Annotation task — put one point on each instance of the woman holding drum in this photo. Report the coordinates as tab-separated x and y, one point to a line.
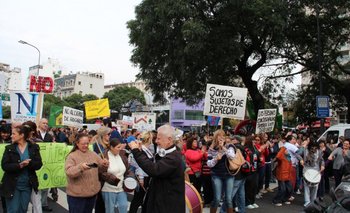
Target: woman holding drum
113	192
313	166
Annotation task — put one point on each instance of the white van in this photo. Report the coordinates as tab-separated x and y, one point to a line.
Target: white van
334	132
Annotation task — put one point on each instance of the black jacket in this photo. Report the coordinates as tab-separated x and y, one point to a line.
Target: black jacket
166	192
10	164
47	137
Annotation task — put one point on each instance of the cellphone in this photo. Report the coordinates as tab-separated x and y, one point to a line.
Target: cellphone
92	165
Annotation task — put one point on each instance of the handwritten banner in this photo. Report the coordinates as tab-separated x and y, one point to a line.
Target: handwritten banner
97	108
265	121
225	101
72	117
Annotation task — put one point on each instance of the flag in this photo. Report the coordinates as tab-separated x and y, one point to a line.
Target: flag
55	119
213	120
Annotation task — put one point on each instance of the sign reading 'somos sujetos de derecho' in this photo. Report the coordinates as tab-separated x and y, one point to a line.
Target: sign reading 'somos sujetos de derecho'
225	101
265	121
72	117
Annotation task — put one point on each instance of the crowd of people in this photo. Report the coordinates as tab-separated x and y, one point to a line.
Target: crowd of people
160	161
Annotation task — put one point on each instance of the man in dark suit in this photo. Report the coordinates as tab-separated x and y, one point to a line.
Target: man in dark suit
44	135
166	192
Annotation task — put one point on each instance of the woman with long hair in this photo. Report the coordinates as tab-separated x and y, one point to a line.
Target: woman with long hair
194	157
101	140
143	178
217	155
251	183
112	190
82	175
19	162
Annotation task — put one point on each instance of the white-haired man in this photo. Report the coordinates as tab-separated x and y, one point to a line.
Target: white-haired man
166	192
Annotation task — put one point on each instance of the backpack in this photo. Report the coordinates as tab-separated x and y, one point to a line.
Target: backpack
248	166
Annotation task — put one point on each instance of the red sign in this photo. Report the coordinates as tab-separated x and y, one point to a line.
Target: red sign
40	84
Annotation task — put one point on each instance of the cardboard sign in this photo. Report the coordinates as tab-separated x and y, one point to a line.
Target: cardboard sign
265	121
127	120
41	84
225	101
97	108
144	121
72	117
26	106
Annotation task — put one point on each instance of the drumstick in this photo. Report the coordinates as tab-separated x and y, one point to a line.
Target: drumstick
139	183
99	148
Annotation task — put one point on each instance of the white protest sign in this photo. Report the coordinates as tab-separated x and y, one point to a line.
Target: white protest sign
25	106
266	120
127	120
225	101
72	117
144	121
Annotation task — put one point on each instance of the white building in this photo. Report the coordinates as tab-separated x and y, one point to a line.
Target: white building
80	83
138	84
11	79
51	68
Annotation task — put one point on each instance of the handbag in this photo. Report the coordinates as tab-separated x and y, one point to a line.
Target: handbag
234	165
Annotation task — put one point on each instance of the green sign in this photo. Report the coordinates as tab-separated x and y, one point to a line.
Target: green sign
56	114
5	97
52	172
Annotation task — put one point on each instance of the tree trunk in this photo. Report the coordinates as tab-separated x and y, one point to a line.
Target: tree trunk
257	98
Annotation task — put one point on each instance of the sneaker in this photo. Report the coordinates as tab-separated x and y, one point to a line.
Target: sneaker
278	204
298	192
250	207
255	205
287	202
269	190
306	204
291	198
263	191
236	209
258	196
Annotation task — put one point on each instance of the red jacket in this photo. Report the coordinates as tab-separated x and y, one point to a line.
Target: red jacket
284	167
263	154
194	160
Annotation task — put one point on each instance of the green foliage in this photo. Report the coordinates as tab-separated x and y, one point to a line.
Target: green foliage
6	112
181	45
122	95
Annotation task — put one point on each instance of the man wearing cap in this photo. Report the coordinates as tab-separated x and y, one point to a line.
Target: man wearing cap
166	191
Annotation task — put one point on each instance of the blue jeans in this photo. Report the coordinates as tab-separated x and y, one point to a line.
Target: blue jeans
113	199
220	184
238	195
81	204
20	200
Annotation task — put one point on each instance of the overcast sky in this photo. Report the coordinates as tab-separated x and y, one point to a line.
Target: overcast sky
83	35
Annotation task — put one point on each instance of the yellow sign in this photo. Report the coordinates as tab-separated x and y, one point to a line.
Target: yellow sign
97	108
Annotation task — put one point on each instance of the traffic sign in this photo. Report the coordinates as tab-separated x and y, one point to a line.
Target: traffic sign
322	106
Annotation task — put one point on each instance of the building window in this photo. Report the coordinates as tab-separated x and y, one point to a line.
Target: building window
178	115
194	115
79	82
90	86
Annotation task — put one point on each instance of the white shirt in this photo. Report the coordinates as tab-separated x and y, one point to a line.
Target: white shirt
117	168
292	149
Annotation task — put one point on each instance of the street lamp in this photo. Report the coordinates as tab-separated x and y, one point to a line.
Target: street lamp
24	42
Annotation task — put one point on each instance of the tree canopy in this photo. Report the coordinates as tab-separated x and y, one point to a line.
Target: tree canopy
122	95
181	45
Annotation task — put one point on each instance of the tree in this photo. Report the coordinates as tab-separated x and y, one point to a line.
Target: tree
122	95
6	112
181	45
50	100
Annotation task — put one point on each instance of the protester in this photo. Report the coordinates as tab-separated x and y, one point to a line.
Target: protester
283	176
45	136
142	177
112	191
82	176
166	192
194	157
19	162
218	154
339	155
312	160
5	134
206	176
324	187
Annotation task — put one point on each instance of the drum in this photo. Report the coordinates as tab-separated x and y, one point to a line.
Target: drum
193	200
130	184
312	177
